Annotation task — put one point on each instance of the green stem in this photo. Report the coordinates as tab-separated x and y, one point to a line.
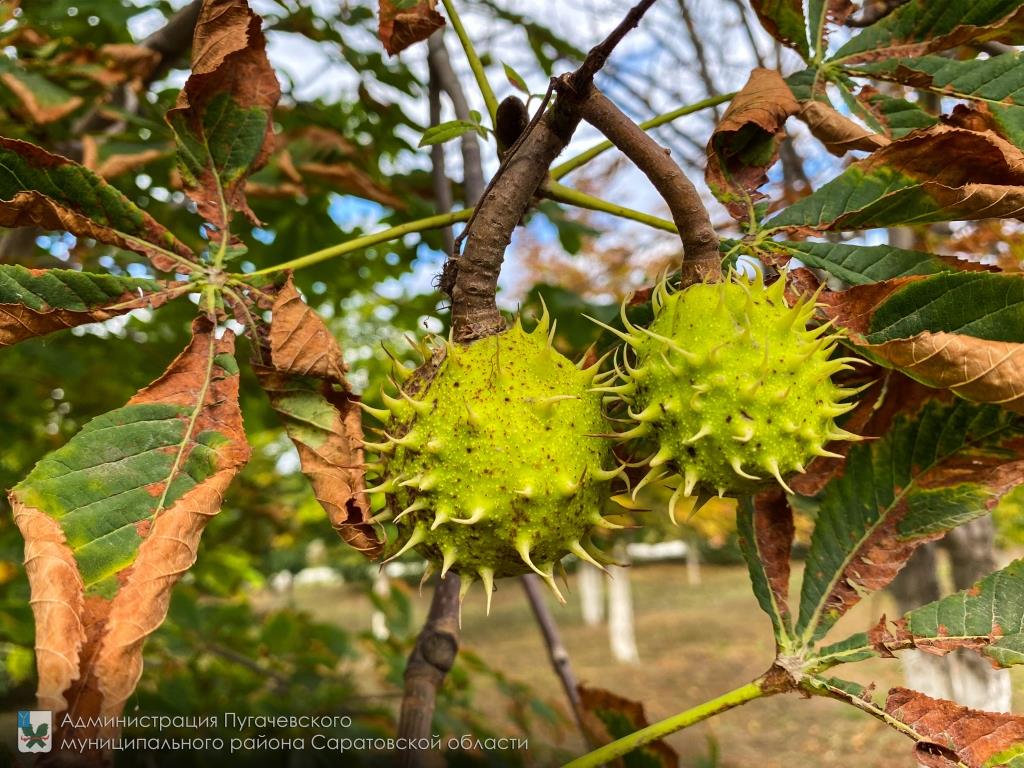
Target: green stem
419	225
563	194
474	61
585	157
659	730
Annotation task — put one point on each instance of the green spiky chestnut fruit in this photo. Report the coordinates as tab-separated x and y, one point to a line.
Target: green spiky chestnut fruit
492	463
730	387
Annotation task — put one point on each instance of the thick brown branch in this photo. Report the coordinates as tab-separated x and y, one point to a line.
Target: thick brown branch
474	311
701	257
429	662
472	278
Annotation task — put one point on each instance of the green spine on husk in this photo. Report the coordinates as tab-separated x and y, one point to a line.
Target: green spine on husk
495	467
729	387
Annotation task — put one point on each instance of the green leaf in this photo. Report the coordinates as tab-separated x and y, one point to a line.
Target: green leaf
979	304
36	302
933	470
958	330
910	182
988	617
995	85
41	189
515	79
784	20
766	532
112	519
222	119
862	264
439	134
895	117
922	26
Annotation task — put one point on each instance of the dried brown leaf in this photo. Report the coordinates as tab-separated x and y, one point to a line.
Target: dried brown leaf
401	27
981	370
958	733
745	143
349	178
19	322
837	132
298	341
302	371
608	716
109	218
36	110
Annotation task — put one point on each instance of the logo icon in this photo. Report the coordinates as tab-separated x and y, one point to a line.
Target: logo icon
35	731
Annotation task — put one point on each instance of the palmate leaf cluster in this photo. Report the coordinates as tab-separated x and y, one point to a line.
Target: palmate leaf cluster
112	517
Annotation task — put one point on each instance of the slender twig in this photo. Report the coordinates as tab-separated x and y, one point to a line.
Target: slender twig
669	725
560	193
599	54
701	257
699	52
474	61
358	243
586	156
428	665
745	20
557	653
472	165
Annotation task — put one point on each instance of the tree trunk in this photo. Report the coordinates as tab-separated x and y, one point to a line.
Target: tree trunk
621	632
693	560
590	582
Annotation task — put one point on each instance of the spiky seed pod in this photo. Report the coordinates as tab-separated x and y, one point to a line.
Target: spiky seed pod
730	388
494	469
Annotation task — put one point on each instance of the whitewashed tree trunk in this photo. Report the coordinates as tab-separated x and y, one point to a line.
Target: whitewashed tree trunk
378	621
692	560
621	631
590	582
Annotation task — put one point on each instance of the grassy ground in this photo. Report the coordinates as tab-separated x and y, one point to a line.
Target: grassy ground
694	643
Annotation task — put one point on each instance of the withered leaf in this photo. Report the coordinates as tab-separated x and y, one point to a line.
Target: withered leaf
608	716
745	143
977	739
404	23
222	119
766	530
38	188
954	331
113	519
301	369
37	302
837	132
